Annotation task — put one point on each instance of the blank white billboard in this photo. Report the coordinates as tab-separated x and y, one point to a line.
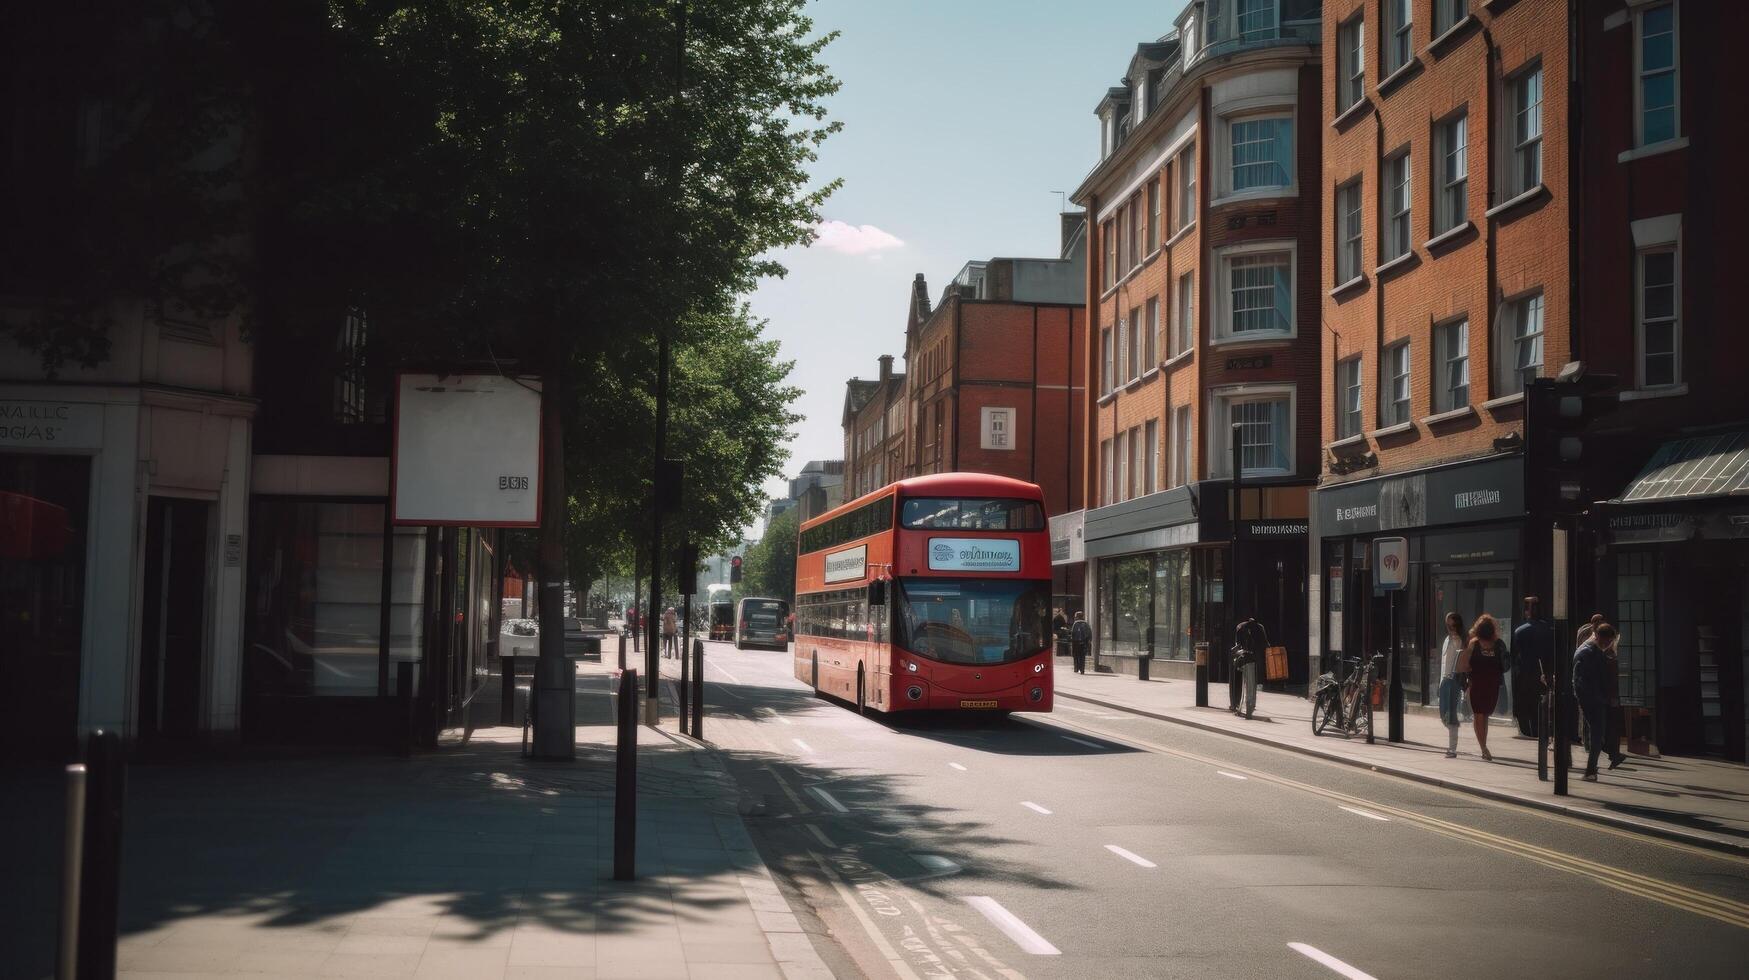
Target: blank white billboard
467	450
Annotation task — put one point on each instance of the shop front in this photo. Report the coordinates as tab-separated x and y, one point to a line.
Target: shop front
1465	527
1674	577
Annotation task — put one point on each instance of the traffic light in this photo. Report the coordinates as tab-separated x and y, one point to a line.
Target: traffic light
1558	413
735	570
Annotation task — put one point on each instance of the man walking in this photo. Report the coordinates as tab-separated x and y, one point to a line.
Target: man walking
1590	689
1080	635
1534	643
670	633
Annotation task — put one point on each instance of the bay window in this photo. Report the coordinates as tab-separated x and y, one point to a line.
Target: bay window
1264	417
1261	154
1257	293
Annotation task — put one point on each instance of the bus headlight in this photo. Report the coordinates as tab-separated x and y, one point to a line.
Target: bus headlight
1037	694
914	692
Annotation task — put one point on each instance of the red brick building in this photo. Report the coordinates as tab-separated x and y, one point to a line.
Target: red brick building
1203	312
874	431
1447	290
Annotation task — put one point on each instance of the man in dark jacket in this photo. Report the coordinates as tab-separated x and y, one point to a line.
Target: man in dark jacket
1534	643
1080	637
1591	690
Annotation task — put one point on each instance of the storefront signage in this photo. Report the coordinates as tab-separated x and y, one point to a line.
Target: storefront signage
1272	529
51	425
1391	566
1068	538
974	555
1489	490
851	563
1650	528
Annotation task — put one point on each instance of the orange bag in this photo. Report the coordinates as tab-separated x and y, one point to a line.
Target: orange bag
1275	664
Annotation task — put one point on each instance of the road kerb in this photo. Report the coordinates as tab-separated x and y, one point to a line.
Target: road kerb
1676	834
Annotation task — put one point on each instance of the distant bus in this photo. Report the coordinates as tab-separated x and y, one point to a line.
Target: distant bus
762	623
933	592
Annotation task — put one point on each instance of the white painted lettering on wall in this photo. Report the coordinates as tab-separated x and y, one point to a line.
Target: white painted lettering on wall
1357	512
1476	498
51	425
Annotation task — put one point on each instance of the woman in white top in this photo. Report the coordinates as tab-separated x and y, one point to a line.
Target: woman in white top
1450	691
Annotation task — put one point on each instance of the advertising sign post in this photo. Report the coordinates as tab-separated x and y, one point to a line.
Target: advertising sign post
1392	568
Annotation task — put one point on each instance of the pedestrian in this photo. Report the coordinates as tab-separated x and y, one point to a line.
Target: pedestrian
1612	707
1533	642
1591	690
1575	721
1080	636
1451	684
1484	660
670	633
1589	628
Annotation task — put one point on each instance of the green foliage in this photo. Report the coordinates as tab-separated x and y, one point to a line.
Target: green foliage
770	565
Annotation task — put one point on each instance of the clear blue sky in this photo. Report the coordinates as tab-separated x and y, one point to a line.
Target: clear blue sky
961	117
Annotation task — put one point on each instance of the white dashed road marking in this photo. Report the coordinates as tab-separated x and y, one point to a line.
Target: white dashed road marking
936	862
1011	926
1317	955
1082	741
828	799
1130	856
1034	807
1361	813
955	765
805	747
1230	775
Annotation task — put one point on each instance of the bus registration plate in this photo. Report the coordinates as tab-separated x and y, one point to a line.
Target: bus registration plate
977	704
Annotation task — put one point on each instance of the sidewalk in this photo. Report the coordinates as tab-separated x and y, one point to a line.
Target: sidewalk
466	862
1699	801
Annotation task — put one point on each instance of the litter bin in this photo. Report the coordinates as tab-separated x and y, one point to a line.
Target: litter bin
1143	663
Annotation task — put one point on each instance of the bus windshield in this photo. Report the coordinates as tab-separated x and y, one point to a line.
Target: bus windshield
973	515
972	621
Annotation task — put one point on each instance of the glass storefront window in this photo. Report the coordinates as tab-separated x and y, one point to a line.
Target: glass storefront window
1129	604
1172	605
315	598
43	528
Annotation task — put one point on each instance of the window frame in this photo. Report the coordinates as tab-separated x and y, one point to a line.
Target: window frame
1445	216
1151	358
1221	333
1108	361
1448	14
1640	74
1523	150
1108	473
1444	392
1510	337
1185	163
1221	402
1184	337
1228	190
1392	409
1674	250
1397	220
1181	435
1133	344
1152	191
1351	62
1151	443
1348	393
1395	36
1350	244
1109	233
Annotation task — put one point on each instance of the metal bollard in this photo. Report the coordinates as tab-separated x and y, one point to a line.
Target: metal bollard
625	781
507	691
622	650
1202	675
72	855
698	689
1143	663
100	870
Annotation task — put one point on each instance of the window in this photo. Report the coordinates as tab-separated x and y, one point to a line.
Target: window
1256	19
971	514
1397	196
1153	242
1137	456
1185	338
1351	64
1109	276
1133	345
1394	404
1258	294
1348	232
1348	398
1660	319
1527	132
1399	35
1152	358
1123	241
1181	446
350	404
972	620
1265	421
1446	14
1122	451
1262	154
1186	167
1655	113
1151	470
1454	366
1106	483
1135	225
871	518
1520	350
1451	143
43	544
1105	366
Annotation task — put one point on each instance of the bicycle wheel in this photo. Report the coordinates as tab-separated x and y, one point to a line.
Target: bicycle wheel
1323	707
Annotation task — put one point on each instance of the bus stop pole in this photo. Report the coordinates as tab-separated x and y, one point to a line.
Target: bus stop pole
698	689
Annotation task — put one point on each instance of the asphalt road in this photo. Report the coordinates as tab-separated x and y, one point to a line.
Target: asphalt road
1091	843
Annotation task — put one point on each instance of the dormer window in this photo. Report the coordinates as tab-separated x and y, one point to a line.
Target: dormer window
1107	134
1189	42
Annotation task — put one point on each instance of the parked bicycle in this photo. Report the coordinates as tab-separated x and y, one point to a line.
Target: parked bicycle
1346	704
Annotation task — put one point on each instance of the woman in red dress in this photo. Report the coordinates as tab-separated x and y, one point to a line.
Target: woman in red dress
1484	660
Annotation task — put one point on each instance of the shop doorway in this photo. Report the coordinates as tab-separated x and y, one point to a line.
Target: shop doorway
173	619
1471	592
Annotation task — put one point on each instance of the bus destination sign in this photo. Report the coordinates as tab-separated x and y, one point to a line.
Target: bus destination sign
851	563
974	554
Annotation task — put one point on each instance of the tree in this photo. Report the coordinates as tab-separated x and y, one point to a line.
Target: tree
769	568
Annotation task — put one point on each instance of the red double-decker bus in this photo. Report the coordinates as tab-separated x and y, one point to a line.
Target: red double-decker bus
930	593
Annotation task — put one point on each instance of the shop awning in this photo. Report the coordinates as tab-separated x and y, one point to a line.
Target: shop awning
1693	468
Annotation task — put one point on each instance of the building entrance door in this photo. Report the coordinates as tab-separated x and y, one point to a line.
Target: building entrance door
173	619
1472	591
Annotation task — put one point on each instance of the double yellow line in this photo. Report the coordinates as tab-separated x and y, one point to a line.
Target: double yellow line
1728	911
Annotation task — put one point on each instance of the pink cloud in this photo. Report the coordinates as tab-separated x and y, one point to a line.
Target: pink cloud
852	239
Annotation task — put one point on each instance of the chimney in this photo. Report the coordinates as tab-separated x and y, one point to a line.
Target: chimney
886	367
920	298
